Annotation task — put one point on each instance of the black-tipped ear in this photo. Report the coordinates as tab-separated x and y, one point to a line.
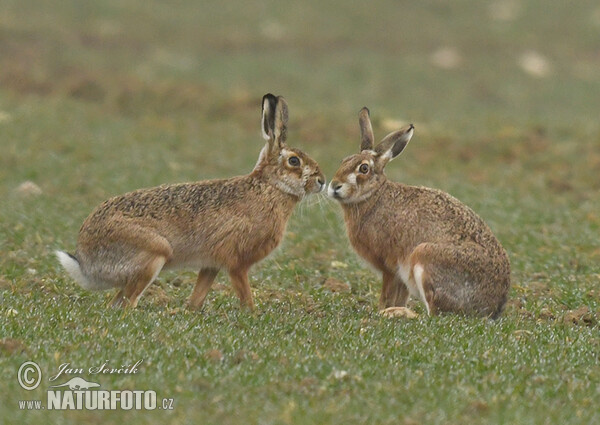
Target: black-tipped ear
269	102
366	130
281	120
394	143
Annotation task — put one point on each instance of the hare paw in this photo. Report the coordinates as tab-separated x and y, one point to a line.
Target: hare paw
398	312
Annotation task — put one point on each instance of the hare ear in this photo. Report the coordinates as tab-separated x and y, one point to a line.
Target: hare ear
268	116
366	130
281	120
392	144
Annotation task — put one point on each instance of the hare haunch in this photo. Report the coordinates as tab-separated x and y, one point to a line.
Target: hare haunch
425	242
231	223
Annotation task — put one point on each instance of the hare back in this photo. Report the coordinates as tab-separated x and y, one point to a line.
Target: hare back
385	228
440	216
207	224
180	202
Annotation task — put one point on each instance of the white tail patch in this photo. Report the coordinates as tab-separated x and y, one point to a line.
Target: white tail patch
72	267
404	273
418	275
408	279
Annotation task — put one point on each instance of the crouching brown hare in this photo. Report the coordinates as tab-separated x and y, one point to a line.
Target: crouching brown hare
425	242
209	225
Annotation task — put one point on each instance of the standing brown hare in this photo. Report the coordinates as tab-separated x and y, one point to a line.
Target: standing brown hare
425	242
209	225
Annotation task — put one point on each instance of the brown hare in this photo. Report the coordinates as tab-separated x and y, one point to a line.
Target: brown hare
425	242
231	223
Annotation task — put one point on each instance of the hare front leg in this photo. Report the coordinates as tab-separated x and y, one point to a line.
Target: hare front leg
206	277
393	293
239	279
393	297
401	293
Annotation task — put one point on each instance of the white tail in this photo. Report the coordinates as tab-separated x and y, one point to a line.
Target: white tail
72	267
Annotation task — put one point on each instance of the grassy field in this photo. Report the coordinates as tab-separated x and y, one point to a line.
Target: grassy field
99	98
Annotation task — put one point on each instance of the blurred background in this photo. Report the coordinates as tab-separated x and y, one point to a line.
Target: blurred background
102	97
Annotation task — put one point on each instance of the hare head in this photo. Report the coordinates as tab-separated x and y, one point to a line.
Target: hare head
360	175
289	169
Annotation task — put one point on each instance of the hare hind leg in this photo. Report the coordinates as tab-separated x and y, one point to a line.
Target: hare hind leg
459	278
135	287
128	256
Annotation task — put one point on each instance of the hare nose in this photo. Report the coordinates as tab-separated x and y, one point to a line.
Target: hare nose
336	186
321	180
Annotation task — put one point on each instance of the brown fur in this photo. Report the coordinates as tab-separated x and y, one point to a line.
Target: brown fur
231	223
397	227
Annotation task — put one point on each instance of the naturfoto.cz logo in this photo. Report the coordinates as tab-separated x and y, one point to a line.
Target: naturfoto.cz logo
78	394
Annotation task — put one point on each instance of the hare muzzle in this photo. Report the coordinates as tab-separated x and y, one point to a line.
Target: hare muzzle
316	183
335	189
339	190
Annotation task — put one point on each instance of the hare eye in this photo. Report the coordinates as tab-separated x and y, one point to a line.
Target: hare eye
294	161
364	168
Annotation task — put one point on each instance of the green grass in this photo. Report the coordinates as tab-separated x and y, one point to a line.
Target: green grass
99	98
